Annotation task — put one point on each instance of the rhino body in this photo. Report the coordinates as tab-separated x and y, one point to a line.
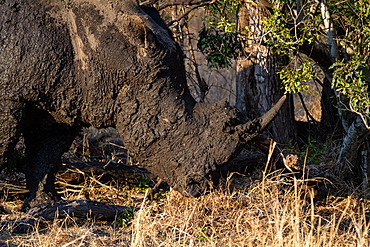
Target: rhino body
69	64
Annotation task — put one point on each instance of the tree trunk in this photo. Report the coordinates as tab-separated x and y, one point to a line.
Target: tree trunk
76	208
258	85
351	157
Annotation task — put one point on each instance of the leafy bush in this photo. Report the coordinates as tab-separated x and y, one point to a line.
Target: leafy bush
218	39
219	48
124	219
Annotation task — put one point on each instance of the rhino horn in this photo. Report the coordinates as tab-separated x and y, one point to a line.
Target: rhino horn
252	128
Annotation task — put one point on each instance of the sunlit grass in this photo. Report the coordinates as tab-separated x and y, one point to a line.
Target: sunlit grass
272	211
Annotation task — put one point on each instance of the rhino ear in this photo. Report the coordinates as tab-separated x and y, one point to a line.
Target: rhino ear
149	38
138	33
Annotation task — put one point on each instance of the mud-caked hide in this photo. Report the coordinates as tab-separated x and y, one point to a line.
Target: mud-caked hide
75	63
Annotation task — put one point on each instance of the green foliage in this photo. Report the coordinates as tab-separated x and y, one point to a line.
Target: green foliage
218	39
353	19
124	218
288	31
143	184
285	40
280	39
310	153
219	48
282	1
161	194
295	77
222	15
349	81
203	235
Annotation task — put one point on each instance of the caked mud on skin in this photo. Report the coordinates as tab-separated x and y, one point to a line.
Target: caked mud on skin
69	64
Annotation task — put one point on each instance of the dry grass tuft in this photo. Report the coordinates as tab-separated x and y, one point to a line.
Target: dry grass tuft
274	211
70	232
264	214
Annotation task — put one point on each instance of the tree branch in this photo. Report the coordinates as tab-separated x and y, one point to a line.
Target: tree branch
309	116
329	26
75	208
320	54
183	2
148	2
188	11
203	87
356	134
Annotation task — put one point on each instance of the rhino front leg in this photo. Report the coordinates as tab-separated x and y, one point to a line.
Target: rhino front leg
11	121
45	141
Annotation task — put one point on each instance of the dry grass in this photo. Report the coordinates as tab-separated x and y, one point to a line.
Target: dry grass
270	212
262	215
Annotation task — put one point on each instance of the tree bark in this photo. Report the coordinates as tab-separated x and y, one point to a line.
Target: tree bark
75	208
330	122
350	161
258	85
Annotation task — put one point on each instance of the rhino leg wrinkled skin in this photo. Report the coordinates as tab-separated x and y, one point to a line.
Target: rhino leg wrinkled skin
69	64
